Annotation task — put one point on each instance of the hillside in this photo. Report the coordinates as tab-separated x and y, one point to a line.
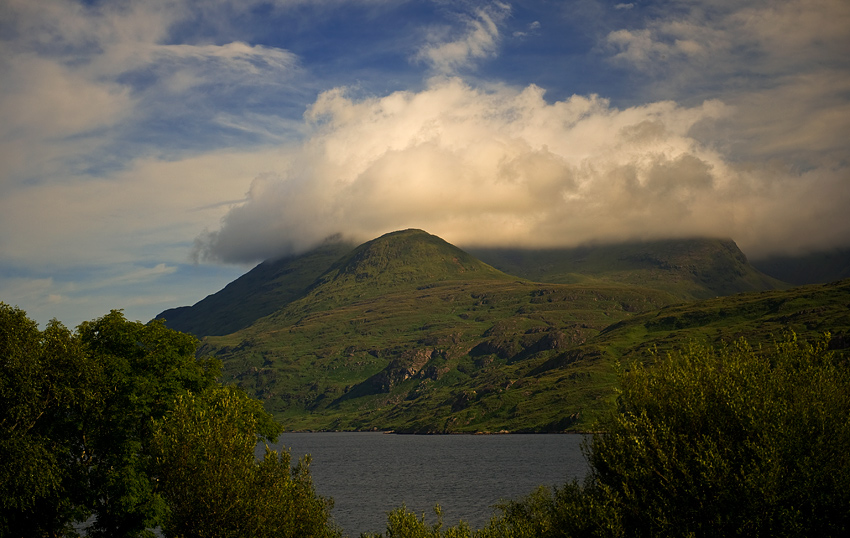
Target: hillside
259	292
515	356
762	318
398	333
409	333
688	268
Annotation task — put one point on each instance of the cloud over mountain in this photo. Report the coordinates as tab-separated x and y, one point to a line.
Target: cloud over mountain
504	166
128	128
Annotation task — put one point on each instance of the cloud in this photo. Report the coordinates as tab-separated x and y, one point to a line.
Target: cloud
507	167
144	213
82	80
764	57
480	39
532	29
129	128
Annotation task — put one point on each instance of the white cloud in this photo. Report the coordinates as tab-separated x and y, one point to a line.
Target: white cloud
782	65
505	166
85	220
531	30
480	40
71	80
109	130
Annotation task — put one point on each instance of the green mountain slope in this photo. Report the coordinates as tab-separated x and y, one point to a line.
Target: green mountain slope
491	356
403	331
813	268
398	260
259	292
810	311
401	360
688	268
409	333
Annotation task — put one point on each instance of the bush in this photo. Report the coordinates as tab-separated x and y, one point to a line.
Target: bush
402	523
708	441
213	484
732	441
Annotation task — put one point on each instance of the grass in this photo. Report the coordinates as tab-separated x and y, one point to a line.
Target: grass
409	333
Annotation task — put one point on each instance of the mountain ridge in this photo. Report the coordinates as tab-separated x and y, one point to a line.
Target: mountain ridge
403	258
695	268
410	333
273	284
267	287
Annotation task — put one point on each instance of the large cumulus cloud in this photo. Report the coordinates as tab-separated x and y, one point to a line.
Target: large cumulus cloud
504	166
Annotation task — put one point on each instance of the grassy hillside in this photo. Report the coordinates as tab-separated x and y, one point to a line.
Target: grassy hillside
810	311
493	355
409	333
688	268
266	288
448	356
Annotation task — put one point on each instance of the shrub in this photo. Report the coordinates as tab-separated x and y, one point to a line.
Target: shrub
729	441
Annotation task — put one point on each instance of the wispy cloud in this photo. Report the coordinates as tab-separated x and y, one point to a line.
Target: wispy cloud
762	58
78	78
447	53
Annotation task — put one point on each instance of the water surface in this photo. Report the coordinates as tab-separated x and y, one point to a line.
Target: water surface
370	474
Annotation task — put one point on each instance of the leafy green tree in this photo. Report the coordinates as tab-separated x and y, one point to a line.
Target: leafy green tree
403	523
85	421
732	441
712	442
214	485
42	377
729	441
136	371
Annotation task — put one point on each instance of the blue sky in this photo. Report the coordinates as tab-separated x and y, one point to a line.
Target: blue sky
152	151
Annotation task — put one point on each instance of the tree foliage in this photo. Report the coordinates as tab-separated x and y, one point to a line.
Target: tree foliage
729	441
214	486
732	441
42	378
83	419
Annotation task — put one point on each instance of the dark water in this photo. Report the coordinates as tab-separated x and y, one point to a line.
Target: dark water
370	474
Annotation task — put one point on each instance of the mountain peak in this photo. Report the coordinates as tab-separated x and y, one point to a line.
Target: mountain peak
403	258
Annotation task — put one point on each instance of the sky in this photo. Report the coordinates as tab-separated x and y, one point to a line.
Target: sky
152	151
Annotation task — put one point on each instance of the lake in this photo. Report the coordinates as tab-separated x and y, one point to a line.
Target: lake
370	474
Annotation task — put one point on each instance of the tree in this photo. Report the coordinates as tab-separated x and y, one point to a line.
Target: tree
214	485
728	441
709	441
732	441
42	376
403	523
85	421
136	370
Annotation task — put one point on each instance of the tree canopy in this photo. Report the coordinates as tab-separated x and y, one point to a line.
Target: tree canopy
90	422
707	441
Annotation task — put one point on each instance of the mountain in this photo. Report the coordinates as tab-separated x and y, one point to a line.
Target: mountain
813	268
406	331
400	260
813	312
259	292
688	268
410	333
